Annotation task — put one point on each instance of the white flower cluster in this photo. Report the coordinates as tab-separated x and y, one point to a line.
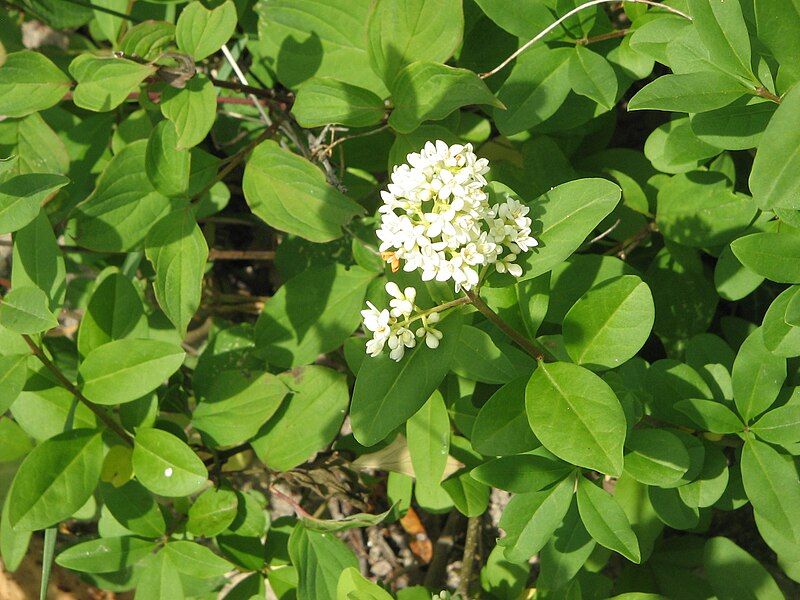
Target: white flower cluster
391	326
436	217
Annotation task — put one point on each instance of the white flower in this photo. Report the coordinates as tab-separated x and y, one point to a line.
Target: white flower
400	339
436	218
402	303
391	327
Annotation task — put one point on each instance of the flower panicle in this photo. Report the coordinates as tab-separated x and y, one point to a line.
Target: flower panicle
436	217
393	326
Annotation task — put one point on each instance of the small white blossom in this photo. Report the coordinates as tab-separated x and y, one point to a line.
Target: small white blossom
392	327
436	218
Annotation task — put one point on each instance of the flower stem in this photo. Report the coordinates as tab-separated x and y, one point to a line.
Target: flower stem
532	347
435	309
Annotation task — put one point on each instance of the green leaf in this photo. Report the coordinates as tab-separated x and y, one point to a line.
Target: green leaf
148	39
732	279
428	435
565	553
535	89
13	544
114	312
134	508
123	206
106	554
529	520
307	421
324	100
43	411
576	416
710	415
689	92
124	370
710	484
674	148
522	19
700	209
655	457
104	83
779	426
38	148
357	520
30	82
737	126
427	91
21	198
610	323
177	249
195	560
322	38
167	167
605	520
353	586
723	31
501	427
320	559
192	110
770	481
311	314
387	393
757	376
165	465
16	442
290	194
212	512
37	261
733	573
478	358
159	579
778	23
201	32
237	404
567	214
775	256
772	180
400	32
13	374
55	479
522	473
592	76
25	310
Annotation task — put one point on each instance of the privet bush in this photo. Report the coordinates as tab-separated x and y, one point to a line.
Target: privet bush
301	292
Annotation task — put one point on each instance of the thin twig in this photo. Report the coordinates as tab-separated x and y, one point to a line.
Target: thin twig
103	9
299	510
560	20
253	97
257	255
765	93
237	158
68	385
530	346
603	37
468	560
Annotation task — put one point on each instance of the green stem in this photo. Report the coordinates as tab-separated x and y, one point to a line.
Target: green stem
532	347
435	309
68	385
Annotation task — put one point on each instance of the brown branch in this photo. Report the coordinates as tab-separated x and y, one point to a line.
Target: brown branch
468	560
155	97
68	385
765	93
618	33
532	347
215	254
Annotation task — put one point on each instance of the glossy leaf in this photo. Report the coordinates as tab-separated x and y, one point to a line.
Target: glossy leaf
605	520
165	465
576	416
